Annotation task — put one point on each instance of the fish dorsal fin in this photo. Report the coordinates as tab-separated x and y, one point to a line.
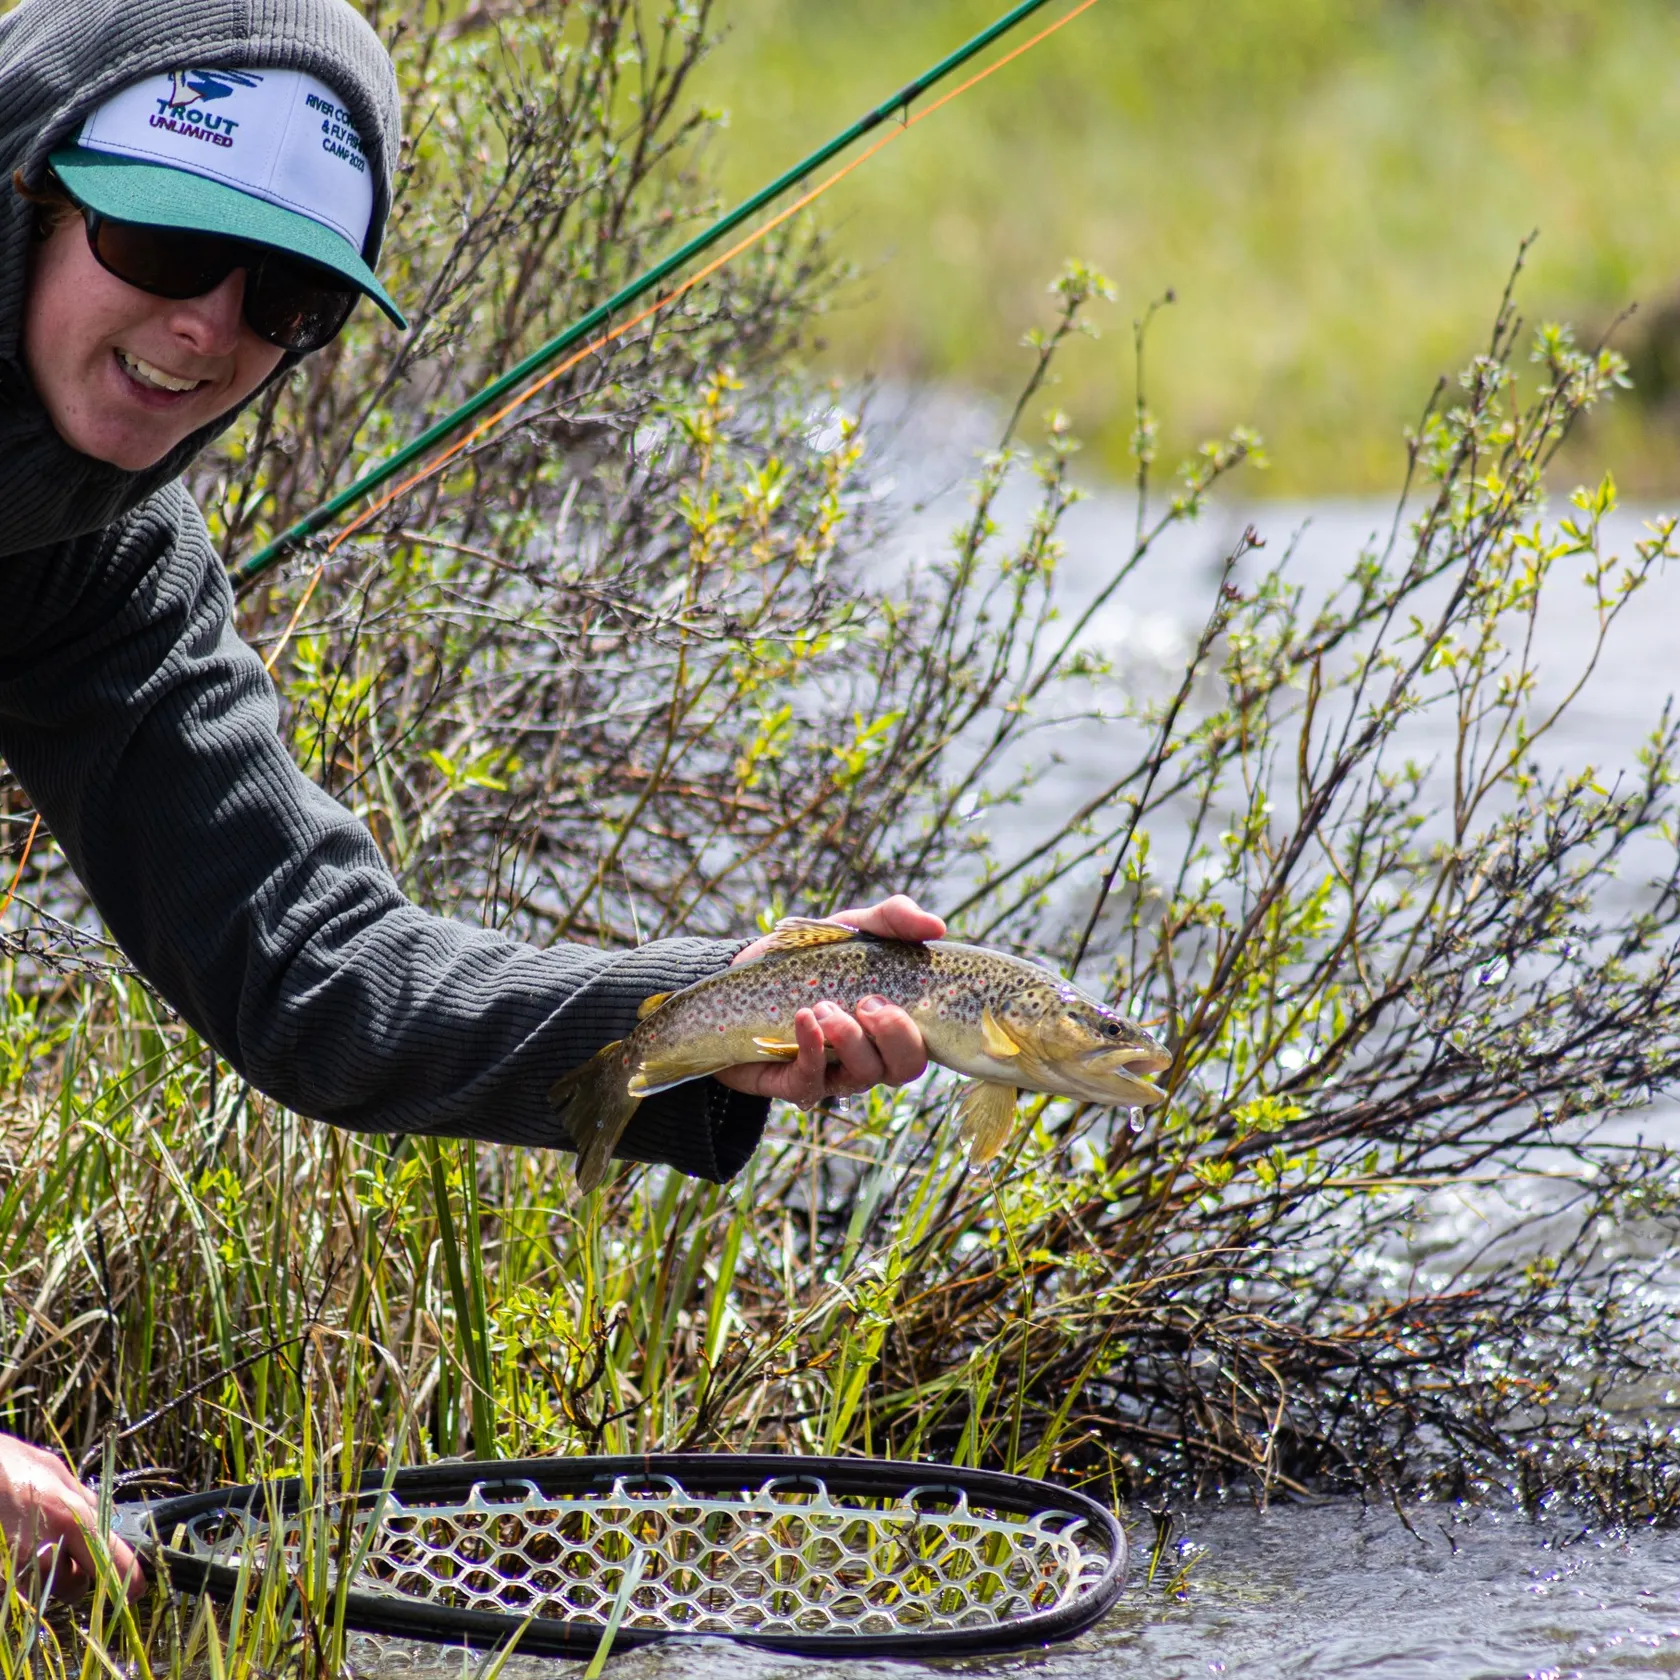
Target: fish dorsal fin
648	1004
803	933
996	1039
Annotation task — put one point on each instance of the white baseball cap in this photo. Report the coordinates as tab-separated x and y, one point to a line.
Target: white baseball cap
270	156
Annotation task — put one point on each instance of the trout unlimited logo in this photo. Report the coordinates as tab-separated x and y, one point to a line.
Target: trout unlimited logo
189	92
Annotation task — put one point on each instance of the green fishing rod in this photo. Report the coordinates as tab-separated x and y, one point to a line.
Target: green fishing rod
248	571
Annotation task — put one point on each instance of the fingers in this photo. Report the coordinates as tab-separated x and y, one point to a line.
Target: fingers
807	1077
803	1081
860	1063
129	1569
77	1568
65	1554
896	1039
898	917
50	1519
880	1045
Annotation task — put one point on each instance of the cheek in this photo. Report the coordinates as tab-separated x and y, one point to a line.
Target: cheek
72	311
1066	1035
55	333
254	361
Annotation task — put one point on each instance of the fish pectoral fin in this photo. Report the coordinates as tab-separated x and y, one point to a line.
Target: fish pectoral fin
988	1111
777	1049
803	933
648	1004
997	1040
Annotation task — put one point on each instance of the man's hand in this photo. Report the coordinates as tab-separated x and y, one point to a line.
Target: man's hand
47	1516
880	1045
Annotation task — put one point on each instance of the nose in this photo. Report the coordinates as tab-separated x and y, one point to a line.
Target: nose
210	324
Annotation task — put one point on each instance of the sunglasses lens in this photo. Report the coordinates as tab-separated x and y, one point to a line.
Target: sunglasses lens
295	304
291	303
167	262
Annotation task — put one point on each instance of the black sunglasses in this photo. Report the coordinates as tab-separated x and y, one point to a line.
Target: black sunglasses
295	304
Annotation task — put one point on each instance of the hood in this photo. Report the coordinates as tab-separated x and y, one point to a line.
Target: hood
59	59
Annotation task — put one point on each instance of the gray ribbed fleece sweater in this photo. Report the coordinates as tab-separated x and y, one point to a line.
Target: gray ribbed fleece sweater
147	734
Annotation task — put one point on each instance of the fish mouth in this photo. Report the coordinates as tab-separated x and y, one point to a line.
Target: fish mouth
1129	1059
1122	1075
1109	1075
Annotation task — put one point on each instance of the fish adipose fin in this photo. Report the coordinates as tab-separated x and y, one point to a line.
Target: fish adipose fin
988	1111
801	933
648	1004
595	1105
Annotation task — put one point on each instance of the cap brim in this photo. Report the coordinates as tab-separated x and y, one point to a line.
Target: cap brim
153	194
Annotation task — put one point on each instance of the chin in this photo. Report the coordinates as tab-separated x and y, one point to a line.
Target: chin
127	451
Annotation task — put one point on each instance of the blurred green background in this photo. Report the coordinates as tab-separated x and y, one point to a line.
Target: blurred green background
1335	189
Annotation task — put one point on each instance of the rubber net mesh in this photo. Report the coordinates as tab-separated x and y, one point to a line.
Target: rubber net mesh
783	1557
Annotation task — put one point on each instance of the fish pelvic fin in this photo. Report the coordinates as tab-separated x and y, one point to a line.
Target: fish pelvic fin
676	1066
778	1049
595	1104
648	1004
803	933
997	1039
988	1112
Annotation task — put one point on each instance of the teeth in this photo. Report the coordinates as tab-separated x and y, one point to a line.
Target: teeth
155	376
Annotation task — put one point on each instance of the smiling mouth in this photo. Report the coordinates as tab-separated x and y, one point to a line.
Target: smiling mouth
154	378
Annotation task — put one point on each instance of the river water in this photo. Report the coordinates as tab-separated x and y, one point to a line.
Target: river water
1332	1589
1323	1591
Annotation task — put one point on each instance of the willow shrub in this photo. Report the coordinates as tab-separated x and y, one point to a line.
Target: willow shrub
630	668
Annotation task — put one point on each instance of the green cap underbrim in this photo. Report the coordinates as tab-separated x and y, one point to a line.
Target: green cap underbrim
153	194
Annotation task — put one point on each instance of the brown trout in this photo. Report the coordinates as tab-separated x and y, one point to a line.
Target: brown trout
1007	1023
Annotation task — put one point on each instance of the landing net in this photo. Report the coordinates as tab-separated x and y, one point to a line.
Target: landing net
850	1553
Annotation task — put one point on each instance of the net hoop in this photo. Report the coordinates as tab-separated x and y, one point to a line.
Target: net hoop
810	1556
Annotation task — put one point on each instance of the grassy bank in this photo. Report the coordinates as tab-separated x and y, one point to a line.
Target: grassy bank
1333	189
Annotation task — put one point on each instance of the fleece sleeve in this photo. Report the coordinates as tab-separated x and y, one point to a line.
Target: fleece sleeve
146	733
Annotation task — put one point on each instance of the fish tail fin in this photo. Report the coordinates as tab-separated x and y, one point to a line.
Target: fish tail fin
988	1111
595	1103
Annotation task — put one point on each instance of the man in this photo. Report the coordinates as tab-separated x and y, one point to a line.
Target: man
199	199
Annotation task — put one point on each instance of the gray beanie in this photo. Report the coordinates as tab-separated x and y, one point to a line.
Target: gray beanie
58	60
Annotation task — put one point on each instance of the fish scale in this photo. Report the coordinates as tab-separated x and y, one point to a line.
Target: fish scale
1009	1024
943	977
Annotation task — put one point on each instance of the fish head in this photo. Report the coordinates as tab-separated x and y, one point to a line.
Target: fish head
1074	1046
